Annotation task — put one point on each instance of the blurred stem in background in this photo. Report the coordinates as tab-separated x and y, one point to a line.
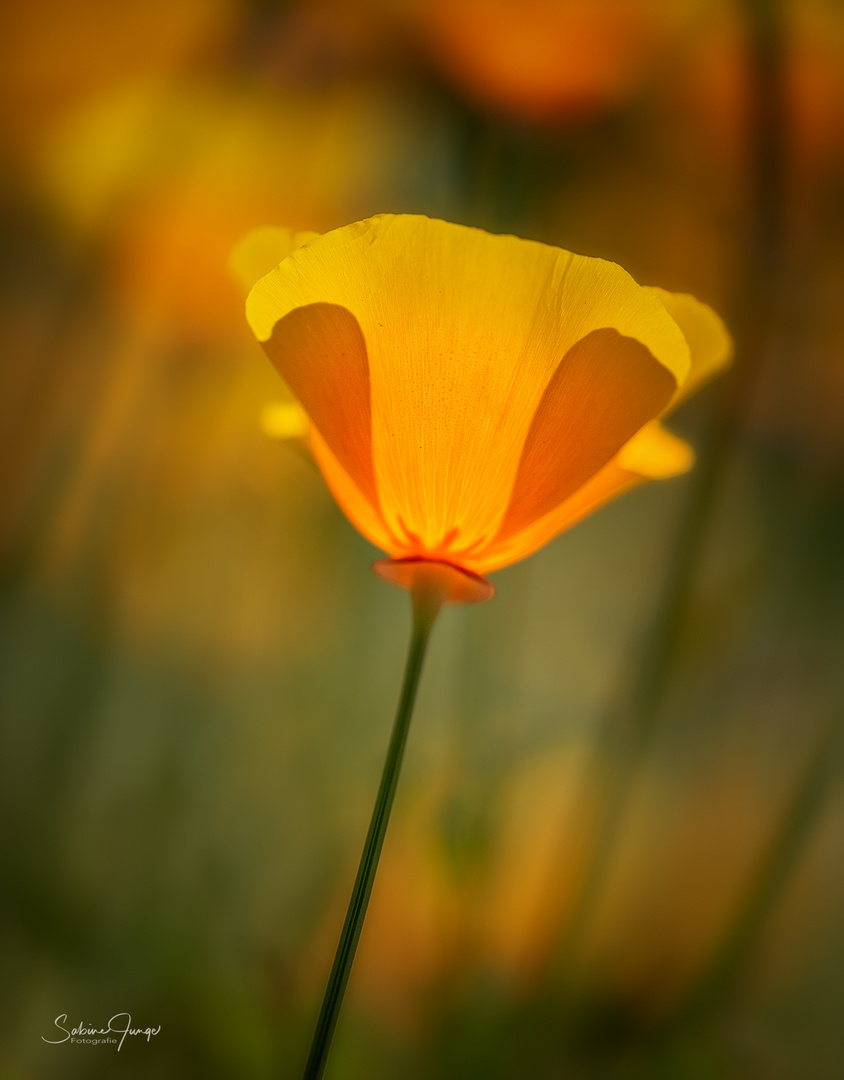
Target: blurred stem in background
764	295
427	597
773	870
630	726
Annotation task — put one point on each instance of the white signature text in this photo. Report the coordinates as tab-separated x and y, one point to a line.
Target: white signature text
120	1024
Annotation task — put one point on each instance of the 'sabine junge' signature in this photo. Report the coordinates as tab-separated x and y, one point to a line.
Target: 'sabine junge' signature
85	1033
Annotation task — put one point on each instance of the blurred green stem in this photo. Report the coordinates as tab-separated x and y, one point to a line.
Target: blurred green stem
788	840
631	725
426	606
763	302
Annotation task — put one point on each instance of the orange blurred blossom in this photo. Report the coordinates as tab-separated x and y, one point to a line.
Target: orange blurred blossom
547	58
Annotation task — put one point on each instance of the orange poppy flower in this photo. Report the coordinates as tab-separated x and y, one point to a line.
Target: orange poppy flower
546	59
471	396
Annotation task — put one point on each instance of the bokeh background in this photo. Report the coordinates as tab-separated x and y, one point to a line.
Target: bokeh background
618	844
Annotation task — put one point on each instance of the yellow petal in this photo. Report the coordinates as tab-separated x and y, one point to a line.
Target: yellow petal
463	333
606	484
605	388
262	249
652	454
655	453
284	420
320	353
360	510
709	341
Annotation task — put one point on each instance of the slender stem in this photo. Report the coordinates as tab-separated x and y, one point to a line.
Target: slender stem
800	815
426	605
630	728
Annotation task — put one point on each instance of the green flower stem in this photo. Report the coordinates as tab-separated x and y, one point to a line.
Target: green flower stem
799	817
631	725
426	606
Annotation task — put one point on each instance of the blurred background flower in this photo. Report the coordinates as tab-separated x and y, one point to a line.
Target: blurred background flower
550	59
616	850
